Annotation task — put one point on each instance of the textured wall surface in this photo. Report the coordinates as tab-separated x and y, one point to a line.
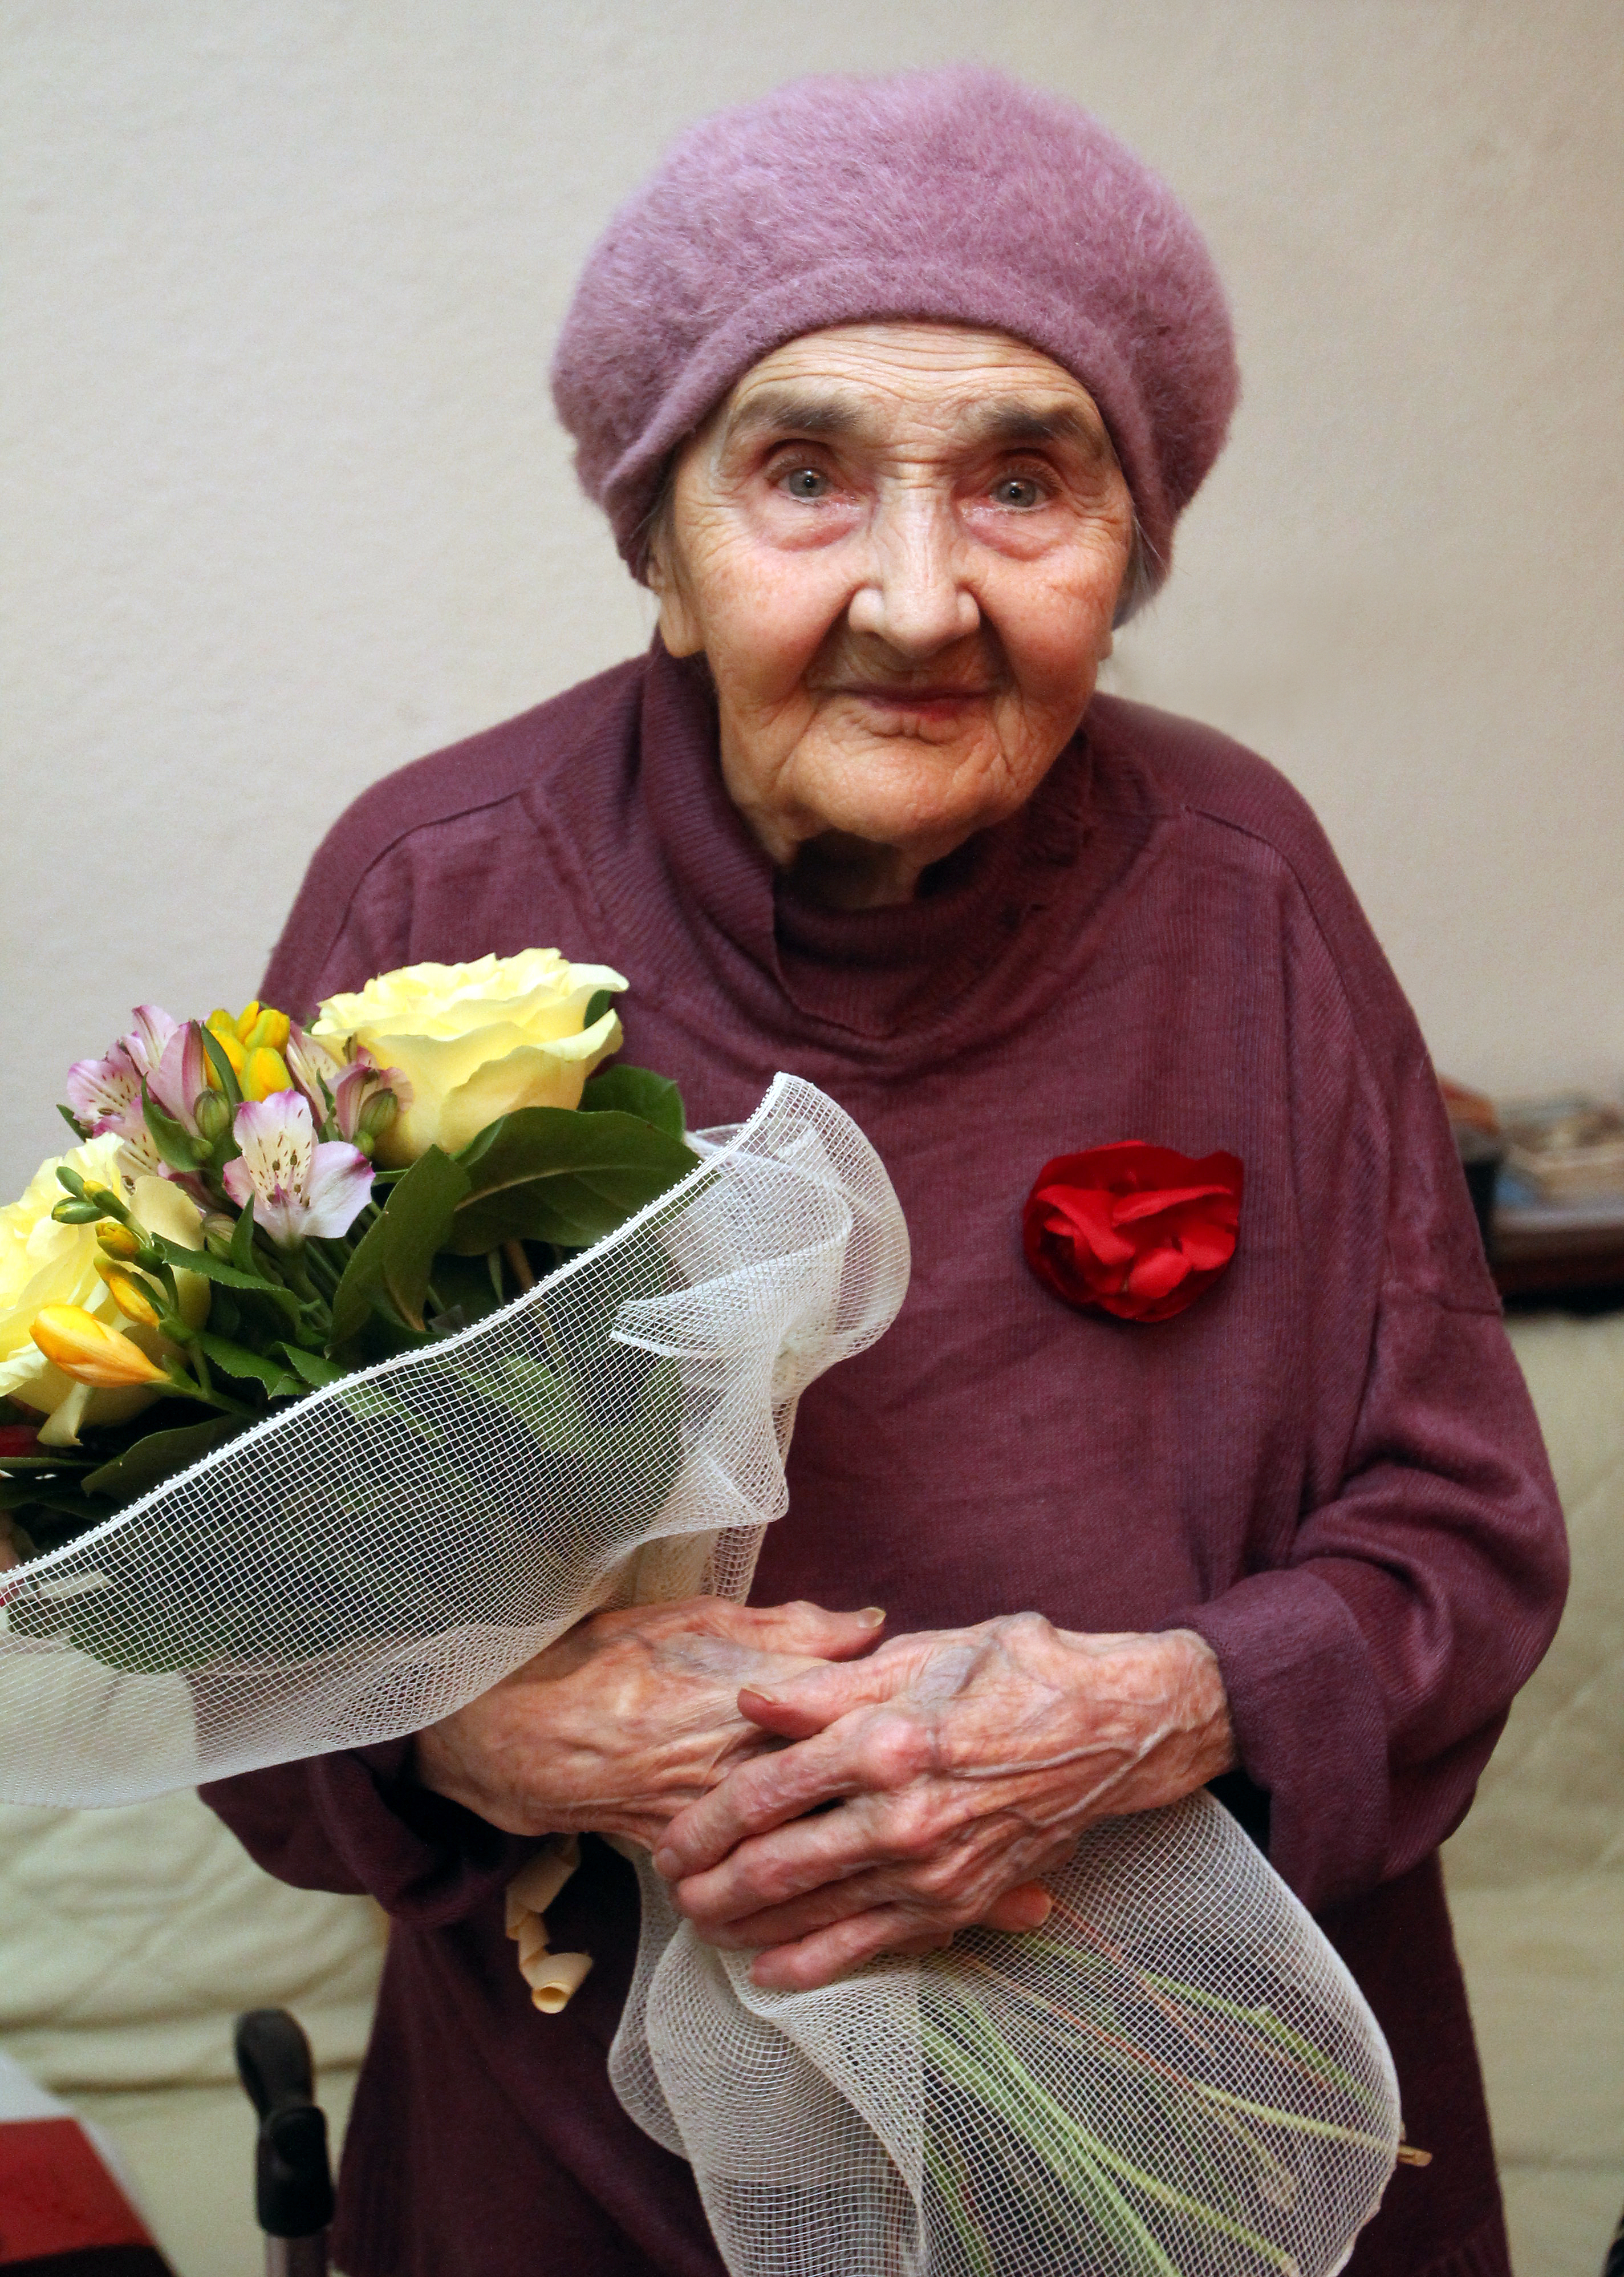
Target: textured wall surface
285	505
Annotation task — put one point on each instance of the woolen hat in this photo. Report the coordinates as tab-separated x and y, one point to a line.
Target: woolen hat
957	196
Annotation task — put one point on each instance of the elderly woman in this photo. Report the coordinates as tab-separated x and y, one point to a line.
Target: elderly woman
893	391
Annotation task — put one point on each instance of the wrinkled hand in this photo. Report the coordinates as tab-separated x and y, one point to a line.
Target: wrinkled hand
964	1764
630	1716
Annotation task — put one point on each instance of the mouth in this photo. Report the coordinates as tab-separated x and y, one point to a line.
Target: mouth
942	703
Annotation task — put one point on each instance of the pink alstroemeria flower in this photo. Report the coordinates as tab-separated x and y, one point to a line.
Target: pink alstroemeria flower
148	1039
360	1081
297	1188
106	1094
180	1076
314	1069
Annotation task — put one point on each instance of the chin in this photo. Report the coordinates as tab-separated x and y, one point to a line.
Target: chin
894	796
903	821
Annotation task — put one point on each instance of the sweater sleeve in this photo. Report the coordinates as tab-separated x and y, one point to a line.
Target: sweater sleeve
1370	1661
358	1822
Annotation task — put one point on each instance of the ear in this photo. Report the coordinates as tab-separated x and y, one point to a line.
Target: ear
678	625
679	621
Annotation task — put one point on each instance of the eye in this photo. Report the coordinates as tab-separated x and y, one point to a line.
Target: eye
802	482
1022	491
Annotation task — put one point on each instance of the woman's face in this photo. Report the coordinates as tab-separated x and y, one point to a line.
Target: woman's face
901	548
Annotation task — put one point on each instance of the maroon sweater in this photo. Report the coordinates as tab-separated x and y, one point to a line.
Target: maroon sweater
1328	1465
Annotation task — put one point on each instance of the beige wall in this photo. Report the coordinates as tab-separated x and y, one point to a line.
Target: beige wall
285	505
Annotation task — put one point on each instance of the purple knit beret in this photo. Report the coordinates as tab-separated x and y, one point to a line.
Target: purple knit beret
957	196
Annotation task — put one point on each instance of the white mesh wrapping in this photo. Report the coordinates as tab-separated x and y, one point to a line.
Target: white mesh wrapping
369	1560
1175	2078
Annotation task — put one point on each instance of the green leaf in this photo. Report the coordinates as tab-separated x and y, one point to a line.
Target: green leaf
483	1141
61	1496
313	1367
597	1004
242	1241
468	1289
230	1275
248	1366
373	1402
174	1143
158	1456
549	1174
81	1131
548	1404
22	1542
396	1254
637	1090
220	1063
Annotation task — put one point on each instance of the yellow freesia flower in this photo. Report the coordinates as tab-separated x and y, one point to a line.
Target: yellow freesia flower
254	1041
267	1031
43	1264
88	1350
221	1024
131	1295
266	1071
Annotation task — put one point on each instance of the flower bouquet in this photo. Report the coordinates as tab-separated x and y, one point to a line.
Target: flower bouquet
348	1369
253	1211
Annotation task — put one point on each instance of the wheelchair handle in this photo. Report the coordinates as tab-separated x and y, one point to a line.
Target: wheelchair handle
293	2180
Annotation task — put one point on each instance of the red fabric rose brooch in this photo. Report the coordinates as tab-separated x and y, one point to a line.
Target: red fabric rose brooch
1138	1231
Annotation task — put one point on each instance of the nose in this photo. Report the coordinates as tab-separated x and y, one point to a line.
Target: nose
913	596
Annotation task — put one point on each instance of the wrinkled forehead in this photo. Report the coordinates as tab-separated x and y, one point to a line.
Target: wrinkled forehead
868	383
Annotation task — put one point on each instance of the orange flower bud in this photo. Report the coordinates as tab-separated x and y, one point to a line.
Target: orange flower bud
88	1350
117	1240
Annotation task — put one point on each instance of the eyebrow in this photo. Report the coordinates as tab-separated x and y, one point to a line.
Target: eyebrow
1014	421
1010	420
787	410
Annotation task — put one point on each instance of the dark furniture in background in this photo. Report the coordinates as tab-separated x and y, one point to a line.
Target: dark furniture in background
1578	1267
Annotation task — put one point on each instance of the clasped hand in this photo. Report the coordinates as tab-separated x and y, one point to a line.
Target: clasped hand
629	1716
930	1786
821	1808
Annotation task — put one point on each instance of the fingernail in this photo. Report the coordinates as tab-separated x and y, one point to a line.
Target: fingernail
872	1616
665	1864
755	1691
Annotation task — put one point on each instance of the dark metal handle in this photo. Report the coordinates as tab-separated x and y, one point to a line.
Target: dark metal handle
294	2181
296	2257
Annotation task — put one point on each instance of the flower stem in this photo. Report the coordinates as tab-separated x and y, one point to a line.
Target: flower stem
321	1269
189	1388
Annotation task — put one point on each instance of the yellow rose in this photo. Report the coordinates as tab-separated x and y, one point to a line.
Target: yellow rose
43	1263
476	1041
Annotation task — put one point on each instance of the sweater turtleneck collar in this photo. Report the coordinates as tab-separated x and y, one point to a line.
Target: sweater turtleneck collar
870	972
